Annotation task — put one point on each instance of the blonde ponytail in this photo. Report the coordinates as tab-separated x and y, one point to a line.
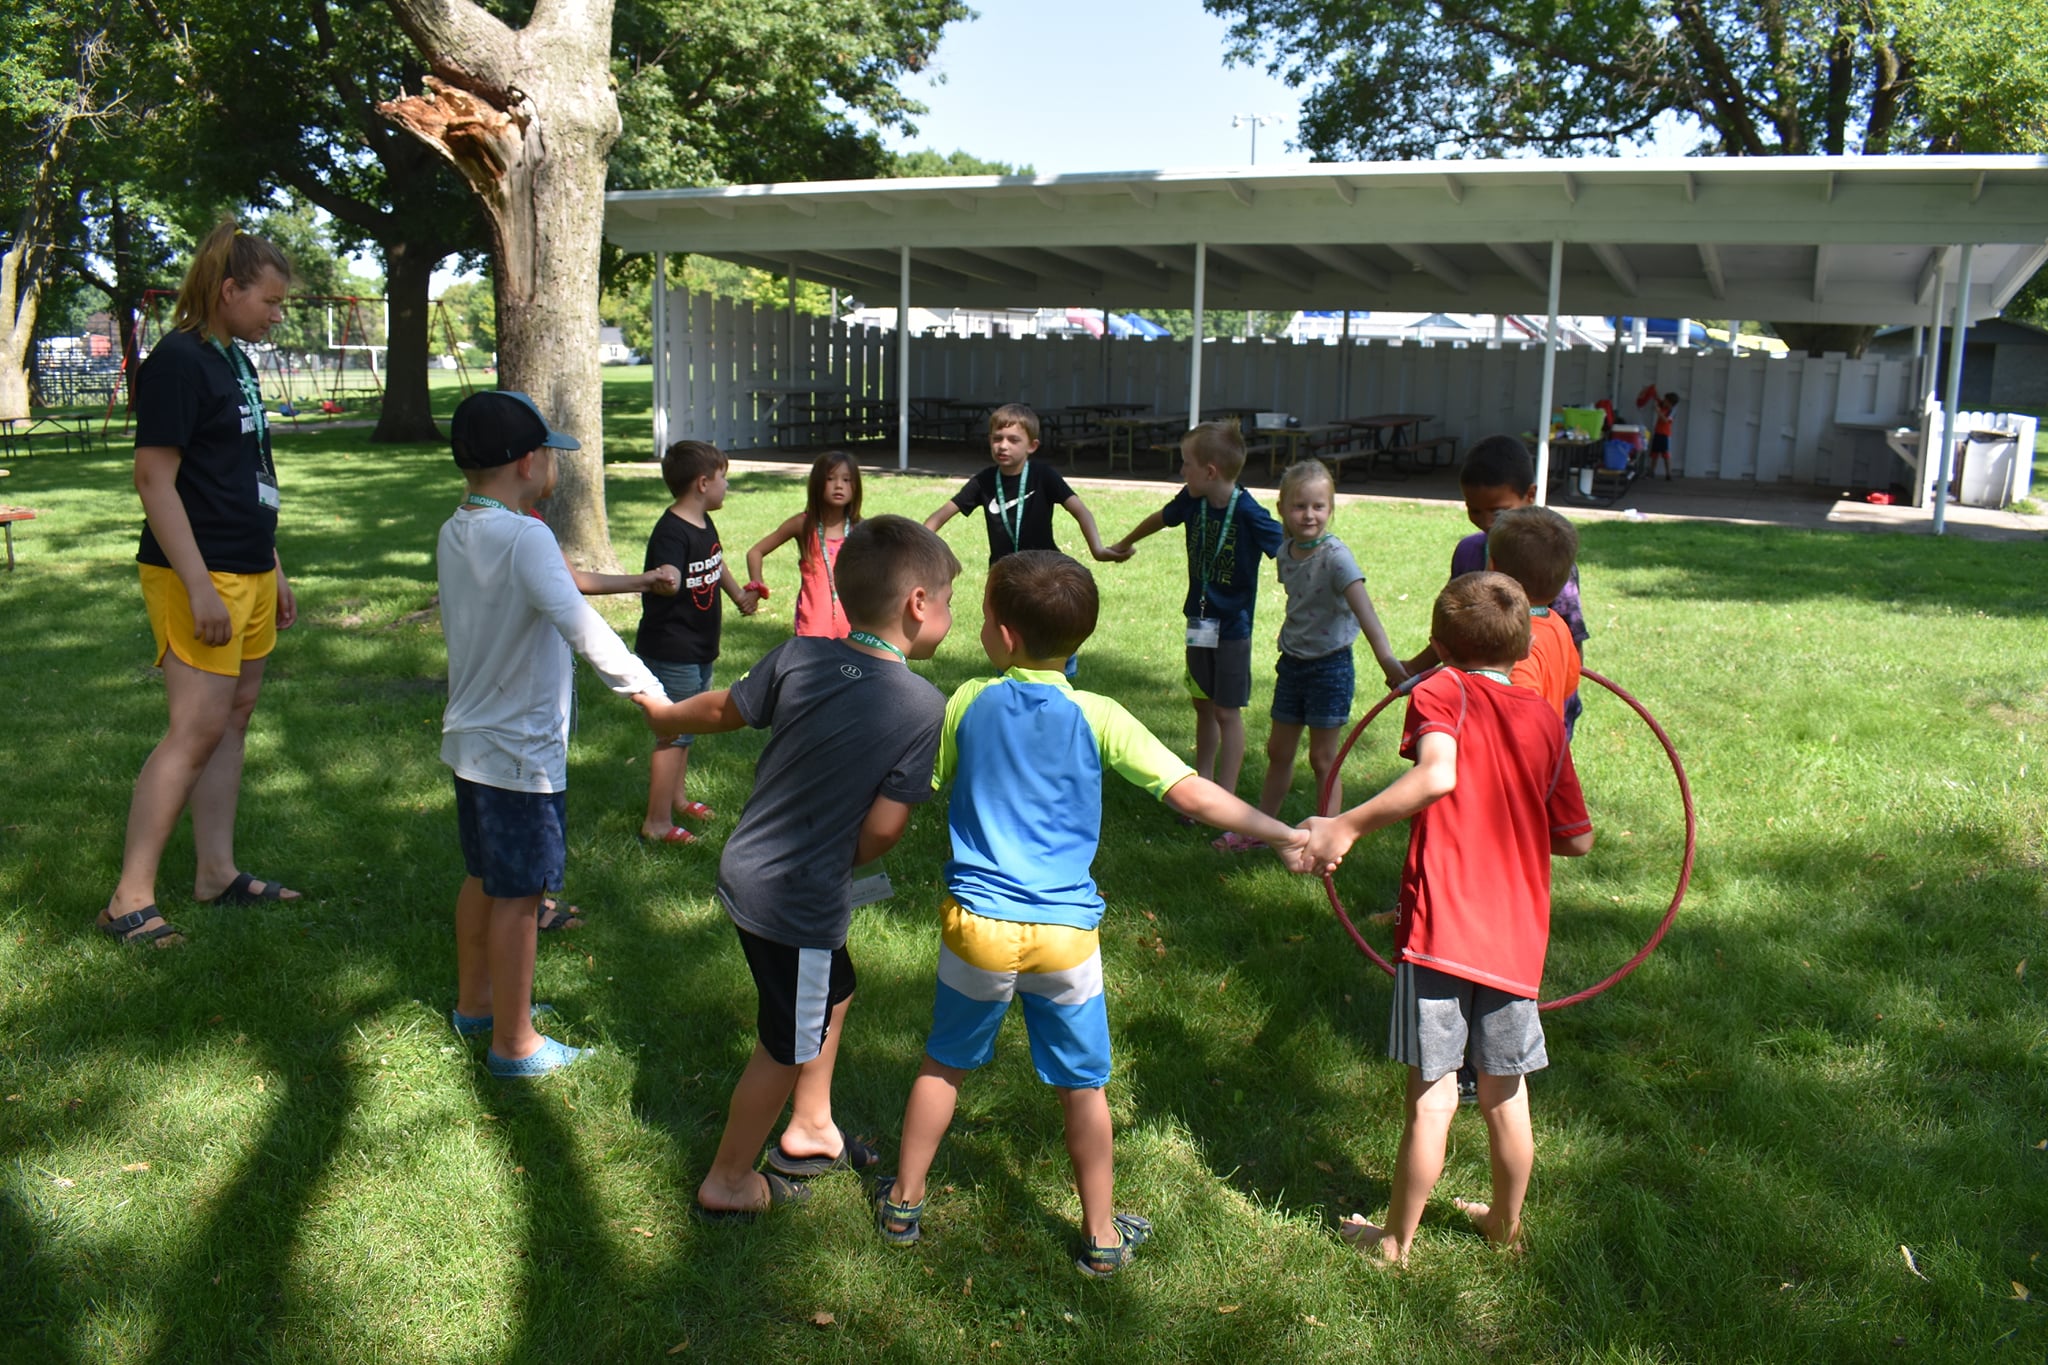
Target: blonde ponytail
228	253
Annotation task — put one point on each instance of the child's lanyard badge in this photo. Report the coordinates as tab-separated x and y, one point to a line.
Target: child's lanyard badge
1016	528
831	574
253	419
1205	631
872	641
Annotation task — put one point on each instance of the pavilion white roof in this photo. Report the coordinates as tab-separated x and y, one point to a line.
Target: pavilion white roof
1793	239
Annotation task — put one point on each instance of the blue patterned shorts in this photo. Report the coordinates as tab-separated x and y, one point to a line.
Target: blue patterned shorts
513	842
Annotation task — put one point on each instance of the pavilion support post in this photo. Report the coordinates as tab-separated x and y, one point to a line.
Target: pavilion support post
1958	332
660	353
1344	366
1549	375
1195	352
1927	380
1735	336
903	359
794	367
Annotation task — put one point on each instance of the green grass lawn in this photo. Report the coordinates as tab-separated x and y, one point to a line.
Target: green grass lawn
268	1145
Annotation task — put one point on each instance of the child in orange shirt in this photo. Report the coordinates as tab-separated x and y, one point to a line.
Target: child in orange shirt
1537	548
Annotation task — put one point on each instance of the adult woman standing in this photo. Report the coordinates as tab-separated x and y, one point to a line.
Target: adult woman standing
211	579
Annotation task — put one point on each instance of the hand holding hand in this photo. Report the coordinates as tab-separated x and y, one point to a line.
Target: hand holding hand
1293	852
1113	554
1394	671
1328	841
664	580
750	601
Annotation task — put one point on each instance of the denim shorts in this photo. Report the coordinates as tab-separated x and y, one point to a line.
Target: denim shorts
513	842
681	682
1314	692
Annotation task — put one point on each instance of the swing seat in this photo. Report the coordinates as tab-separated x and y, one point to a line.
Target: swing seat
328	405
287	410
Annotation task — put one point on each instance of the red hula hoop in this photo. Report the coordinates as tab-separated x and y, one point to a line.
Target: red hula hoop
1684	867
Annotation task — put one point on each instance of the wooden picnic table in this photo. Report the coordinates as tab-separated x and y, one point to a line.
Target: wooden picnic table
8	516
68	430
1382	436
1112	409
1124	432
1273	440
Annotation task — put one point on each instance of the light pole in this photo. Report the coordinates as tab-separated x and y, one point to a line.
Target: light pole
1257	121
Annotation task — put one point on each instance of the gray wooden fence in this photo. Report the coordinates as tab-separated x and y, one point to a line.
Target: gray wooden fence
733	368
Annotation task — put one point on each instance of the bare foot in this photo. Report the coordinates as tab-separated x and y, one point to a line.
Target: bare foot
724	1200
1508	1239
1383	917
1371	1241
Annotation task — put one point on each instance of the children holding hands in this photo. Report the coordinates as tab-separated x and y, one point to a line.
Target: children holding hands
511	612
1227	533
678	634
1020	517
1328	608
831	507
1027	754
853	735
1493	796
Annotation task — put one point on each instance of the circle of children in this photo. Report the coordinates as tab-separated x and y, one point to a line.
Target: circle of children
856	739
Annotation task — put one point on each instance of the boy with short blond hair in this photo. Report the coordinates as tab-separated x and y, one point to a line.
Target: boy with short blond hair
1027	754
853	734
1228	532
1491	799
1538	548
678	634
510	612
1019	514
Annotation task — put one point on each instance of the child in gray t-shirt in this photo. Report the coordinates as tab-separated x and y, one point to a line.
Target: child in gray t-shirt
1327	608
853	735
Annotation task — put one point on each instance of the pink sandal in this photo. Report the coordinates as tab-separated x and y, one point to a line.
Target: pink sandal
1233	842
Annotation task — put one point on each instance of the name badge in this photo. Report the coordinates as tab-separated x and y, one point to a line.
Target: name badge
1205	632
266	493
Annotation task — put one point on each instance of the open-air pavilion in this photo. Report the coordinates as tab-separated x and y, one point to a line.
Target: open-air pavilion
1931	241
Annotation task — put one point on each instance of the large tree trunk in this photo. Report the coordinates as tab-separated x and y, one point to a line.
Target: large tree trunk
528	117
23	267
408	414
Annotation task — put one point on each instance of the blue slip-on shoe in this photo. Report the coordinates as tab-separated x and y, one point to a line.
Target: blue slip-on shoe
476	1025
551	1056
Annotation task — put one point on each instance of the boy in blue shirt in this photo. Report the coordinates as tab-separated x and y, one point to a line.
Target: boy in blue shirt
1027	754
1227	534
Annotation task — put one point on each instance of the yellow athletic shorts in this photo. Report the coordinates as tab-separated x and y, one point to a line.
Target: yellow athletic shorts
252	612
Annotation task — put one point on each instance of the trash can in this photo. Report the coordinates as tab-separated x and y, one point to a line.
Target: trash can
1985	468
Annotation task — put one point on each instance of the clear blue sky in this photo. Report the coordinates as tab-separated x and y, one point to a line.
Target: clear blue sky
1097	85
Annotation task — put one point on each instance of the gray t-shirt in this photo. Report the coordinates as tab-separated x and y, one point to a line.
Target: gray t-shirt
844	727
1319	620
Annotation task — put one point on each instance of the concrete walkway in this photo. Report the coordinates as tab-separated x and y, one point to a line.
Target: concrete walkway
1736	501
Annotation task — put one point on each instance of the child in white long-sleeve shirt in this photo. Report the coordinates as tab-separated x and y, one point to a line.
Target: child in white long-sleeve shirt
511	612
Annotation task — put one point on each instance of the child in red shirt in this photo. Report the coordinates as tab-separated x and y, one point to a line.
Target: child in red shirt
1537	548
1492	798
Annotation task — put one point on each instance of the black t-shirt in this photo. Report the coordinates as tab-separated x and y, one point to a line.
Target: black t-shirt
682	629
844	727
188	396
996	495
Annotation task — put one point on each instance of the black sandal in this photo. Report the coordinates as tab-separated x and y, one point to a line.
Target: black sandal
238	892
128	928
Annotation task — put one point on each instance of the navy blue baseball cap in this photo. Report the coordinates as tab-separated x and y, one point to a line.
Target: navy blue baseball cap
497	426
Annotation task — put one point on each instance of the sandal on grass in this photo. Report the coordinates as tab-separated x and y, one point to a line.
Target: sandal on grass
550	1056
676	835
898	1223
1102	1262
697	810
781	1193
128	928
241	891
1233	842
854	1155
550	918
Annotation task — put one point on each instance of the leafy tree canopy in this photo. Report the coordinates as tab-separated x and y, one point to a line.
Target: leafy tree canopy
926	164
1421	78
